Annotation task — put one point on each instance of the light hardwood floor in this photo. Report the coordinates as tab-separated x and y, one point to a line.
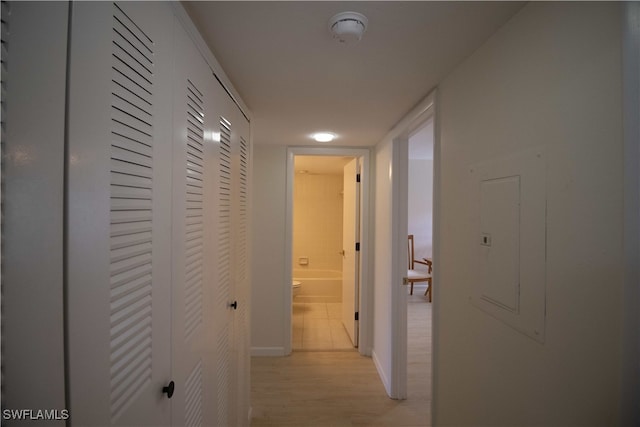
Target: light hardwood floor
343	388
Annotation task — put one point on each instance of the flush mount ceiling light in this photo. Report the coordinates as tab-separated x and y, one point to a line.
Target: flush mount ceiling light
323	136
348	27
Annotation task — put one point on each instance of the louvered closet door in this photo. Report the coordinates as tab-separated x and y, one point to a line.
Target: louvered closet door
242	153
225	293
232	326
119	207
195	235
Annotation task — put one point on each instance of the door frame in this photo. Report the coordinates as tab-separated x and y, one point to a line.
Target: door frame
400	162
366	244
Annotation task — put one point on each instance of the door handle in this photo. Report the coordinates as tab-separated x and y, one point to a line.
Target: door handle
405	280
234	305
169	389
342	252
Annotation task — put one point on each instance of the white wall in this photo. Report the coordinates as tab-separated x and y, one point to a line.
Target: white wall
32	298
550	77
317	221
271	302
382	275
421	206
268	249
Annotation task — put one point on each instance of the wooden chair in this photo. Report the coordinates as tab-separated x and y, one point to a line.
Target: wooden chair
414	276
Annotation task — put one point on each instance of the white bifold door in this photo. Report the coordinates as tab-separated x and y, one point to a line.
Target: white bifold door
119	214
210	327
157	285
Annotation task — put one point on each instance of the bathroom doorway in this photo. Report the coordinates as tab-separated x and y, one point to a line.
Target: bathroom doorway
323	220
327	249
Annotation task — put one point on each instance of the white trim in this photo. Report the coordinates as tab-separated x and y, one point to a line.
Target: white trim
366	243
188	25
385	381
288	253
437	198
268	351
414	119
630	370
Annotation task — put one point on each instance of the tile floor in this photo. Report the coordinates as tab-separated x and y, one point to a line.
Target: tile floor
318	326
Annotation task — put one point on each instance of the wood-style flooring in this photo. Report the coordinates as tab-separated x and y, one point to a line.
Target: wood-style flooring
342	388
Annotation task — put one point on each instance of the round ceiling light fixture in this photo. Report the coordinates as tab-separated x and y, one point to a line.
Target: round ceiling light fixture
323	136
348	27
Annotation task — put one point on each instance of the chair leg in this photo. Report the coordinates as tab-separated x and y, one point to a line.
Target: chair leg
411	291
429	286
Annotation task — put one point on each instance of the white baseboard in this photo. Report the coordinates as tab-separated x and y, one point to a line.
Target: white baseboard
267	351
383	377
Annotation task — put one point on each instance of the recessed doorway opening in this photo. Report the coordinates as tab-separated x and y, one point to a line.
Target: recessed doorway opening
327	250
320	258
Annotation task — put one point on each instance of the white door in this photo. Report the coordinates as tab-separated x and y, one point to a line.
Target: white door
350	248
119	207
157	219
231	308
210	237
210	246
400	262
225	304
241	285
197	104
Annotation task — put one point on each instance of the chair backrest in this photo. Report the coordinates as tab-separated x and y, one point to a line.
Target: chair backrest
410	250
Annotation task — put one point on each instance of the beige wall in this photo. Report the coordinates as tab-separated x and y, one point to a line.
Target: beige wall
382	274
551	77
317	221
268	249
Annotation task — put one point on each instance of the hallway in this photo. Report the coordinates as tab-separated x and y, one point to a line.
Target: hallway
147	185
342	388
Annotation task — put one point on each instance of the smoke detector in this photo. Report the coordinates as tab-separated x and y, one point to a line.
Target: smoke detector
348	27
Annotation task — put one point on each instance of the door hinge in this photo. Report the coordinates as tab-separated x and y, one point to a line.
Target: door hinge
358	178
357	315
357	246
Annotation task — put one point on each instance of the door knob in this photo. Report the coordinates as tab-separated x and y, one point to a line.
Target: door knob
169	389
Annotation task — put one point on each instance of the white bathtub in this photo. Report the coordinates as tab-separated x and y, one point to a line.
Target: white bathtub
319	285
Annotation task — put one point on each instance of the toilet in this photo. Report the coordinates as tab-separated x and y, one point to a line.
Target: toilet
296	286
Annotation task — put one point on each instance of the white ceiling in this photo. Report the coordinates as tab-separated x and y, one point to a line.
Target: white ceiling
297	80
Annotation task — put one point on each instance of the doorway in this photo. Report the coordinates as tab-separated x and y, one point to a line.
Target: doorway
397	154
323	263
420	226
327	249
